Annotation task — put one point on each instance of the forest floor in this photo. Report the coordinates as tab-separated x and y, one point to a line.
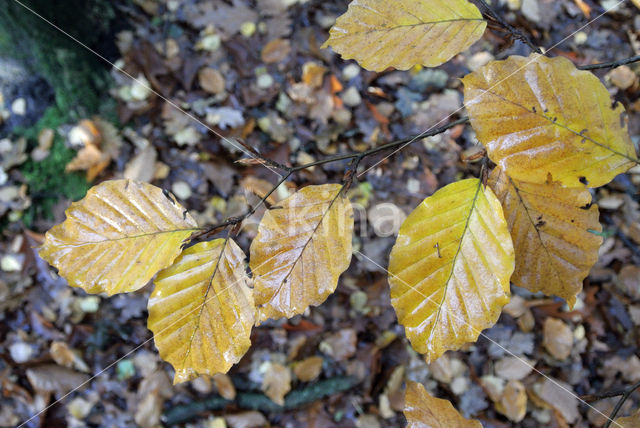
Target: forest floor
253	71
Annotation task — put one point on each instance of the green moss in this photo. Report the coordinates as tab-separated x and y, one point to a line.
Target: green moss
47	180
78	77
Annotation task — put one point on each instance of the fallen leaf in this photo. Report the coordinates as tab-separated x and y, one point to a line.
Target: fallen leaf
514	368
56	379
211	80
308	369
422	410
276	383
558	338
513	403
276	51
340	345
225	386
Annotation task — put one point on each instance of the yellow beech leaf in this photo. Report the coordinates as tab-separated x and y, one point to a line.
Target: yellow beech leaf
550	226
541	119
201	310
403	33
632	421
449	269
302	247
117	237
424	411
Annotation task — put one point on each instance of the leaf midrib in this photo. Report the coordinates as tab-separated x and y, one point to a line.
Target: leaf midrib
455	257
142	235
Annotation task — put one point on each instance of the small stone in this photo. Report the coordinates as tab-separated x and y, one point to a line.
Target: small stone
350	71
459	385
209	43
351	97
21	352
125	369
478	60
265	81
89	304
623	77
580	38
11	263
79	408
140	89
182	190
19	106
248	29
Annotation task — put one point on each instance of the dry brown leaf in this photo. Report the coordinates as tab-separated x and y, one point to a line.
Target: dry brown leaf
513	403
340	345
550	227
558	338
201	310
117	237
276	51
541	119
452	239
422	410
561	397
276	383
403	33
308	369
514	368
211	80
225	386
302	247
313	74
56	379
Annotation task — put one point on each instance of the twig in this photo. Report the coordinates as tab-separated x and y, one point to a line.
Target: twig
612	64
348	178
625	395
515	33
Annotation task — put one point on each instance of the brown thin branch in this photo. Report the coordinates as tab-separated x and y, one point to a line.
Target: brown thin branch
355	157
625	395
514	32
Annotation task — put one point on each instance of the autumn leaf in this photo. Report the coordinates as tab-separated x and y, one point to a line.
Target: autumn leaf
449	269
551	230
302	247
403	33
201	310
632	421
541	119
117	237
423	411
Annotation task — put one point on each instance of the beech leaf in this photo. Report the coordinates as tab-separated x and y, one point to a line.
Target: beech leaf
403	33
550	226
628	421
302	247
541	119
422	410
116	238
449	269
201	310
